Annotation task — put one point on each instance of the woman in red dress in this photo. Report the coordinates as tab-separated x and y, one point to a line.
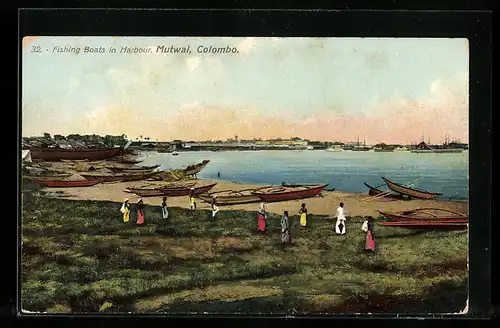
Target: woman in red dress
261	218
370	237
140	212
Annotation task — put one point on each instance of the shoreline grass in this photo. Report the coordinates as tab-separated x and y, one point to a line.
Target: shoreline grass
79	256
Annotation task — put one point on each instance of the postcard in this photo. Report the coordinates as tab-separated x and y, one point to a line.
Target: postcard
244	175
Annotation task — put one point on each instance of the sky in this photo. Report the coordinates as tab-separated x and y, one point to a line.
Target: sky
390	90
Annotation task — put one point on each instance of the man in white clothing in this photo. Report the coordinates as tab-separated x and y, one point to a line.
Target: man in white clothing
340	225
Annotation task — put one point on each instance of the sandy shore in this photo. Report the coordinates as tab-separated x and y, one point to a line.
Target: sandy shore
327	204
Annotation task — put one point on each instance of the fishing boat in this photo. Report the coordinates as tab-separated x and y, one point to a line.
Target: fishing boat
159	190
411	192
69	183
196	168
283	193
232	197
74	160
58	154
173	192
143	169
426	214
422	224
373	191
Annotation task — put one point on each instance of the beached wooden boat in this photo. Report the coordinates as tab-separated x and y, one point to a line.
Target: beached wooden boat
74	160
426	214
426	225
58	154
374	192
69	183
136	169
282	193
411	192
186	191
196	168
159	190
232	197
129	161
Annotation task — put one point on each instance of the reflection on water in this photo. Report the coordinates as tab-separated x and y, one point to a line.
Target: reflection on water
345	171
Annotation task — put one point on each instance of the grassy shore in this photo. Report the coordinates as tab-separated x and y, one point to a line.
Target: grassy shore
79	256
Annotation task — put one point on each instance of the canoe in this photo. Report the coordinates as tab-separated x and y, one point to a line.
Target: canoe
186	191
426	225
69	183
196	168
58	154
158	191
131	169
427	215
374	192
75	160
415	193
231	197
281	193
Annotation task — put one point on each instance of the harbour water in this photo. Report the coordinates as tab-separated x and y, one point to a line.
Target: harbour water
344	171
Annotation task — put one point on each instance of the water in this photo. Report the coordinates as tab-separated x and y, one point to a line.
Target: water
344	171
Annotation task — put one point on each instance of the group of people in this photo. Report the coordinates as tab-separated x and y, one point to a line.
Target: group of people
125	209
340	228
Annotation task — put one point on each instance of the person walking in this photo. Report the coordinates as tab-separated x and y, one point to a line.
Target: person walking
192	202
340	225
303	216
285	229
370	236
140	212
261	218
125	209
215	209
164	208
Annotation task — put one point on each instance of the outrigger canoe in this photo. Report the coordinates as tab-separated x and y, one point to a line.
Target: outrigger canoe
431	215
232	197
281	193
174	192
411	192
374	192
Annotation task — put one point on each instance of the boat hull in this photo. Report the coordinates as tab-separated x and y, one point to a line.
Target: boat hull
186	191
69	184
436	151
374	192
290	195
410	191
397	217
231	200
51	154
